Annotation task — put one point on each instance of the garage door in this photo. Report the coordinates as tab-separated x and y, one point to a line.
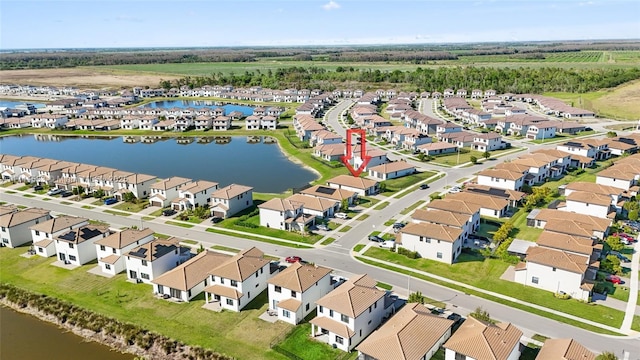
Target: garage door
218	214
156	203
176	207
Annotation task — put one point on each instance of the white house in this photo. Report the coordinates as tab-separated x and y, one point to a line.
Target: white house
432	241
146	262
238	280
162	192
480	340
15	225
188	279
230	200
316	206
194	194
348	314
459	207
284	214
111	249
463	222
588	203
487	142
412	333
617	176
77	246
490	206
571	223
43	234
391	170
294	291
501	179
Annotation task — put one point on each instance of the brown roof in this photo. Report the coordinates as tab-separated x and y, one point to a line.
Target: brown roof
7	209
230	191
125	238
588	222
189	274
170	183
59	223
408	335
502	193
290	304
576	244
313	203
241	266
341	329
224	291
501	174
83	233
617	172
328	192
441	217
564	349
155	249
433	231
392	166
353	297
197	186
589	198
594	188
299	277
557	259
280	204
20	217
512	166
456	206
485	201
483	341
352	181
111	259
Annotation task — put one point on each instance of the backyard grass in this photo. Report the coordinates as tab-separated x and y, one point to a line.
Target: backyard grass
411	208
131	207
181	224
239	334
300	343
475	270
381	206
520	228
487	229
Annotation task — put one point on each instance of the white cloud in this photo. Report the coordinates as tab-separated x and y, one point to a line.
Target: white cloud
331	5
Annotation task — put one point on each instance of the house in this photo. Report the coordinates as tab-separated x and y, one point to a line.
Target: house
460	139
488	142
459	207
556	271
569	223
512	196
15	225
230	200
588	203
331	152
234	279
432	241
542	130
284	214
349	313
221	123
252	122
616	195
324	137
479	340
359	185
490	206
437	148
413	333
597	149
111	249
137	184
330	193
573	244
617	176
76	246
194	194
501	179
164	190
391	170
464	222
187	280
564	349
146	262
294	291
376	157
43	233
316	206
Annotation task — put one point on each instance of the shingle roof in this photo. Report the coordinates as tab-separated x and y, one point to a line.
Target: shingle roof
483	341
124	238
11	219
353	297
241	266
408	335
280	204
299	277
564	349
433	231
577	244
190	273
588	222
557	259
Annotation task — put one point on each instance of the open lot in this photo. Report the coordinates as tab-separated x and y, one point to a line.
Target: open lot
84	77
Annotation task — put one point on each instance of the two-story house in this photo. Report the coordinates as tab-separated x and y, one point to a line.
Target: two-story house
348	314
501	179
294	291
162	192
284	214
476	339
487	142
111	249
43	234
459	207
15	225
463	222
146	262
194	194
490	206
561	349
76	247
432	241
230	200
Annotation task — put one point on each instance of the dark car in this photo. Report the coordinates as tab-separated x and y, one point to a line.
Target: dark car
457	318
376	238
216	219
66	194
398	225
168	212
38	188
424	186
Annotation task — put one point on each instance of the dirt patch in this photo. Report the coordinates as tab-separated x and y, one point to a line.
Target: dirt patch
83	78
622	103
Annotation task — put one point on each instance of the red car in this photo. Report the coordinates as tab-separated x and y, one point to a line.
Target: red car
293	259
628	237
613	279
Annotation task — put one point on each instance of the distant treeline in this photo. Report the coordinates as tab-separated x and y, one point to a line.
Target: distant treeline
514	80
417	54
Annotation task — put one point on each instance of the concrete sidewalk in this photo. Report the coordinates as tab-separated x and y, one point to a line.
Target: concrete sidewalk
632	309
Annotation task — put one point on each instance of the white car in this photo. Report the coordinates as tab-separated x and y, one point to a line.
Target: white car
341	215
454	190
389	244
55	191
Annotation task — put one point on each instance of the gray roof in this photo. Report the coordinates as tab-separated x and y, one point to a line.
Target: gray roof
520	246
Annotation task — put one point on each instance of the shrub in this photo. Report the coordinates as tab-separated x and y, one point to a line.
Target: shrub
562	295
408	253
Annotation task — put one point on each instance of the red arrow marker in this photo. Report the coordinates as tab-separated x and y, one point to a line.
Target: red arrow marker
363	152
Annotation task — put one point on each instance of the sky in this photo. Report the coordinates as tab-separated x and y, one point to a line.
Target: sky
29	24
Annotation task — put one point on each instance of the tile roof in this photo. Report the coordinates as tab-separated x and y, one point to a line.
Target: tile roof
59	223
313	203
197	186
589	198
299	277
501	174
408	335
588	222
557	259
124	238
170	183
338	328
392	167
352	181
224	291
11	219
485	201
566	242
456	206
564	349
441	217
230	191
279	204
241	266
433	231
328	192
290	304
353	297
483	341
192	272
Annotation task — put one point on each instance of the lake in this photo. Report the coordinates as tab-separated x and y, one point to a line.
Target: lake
13	104
167	104
26	337
260	165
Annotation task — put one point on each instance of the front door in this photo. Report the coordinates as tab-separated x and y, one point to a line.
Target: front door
62	257
133	274
216	297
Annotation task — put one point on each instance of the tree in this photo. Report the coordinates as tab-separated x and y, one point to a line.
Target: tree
129	197
344	205
614	243
611	264
416	297
486	154
382	186
503	232
481	314
473	159
607	355
633	215
611	134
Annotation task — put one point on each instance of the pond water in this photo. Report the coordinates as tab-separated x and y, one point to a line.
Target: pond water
246	110
13	104
260	165
26	337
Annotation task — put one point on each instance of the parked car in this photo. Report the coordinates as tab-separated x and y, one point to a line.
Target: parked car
54	191
216	219
457	318
620	256
613	279
376	238
168	212
455	189
322	227
389	244
66	194
341	215
424	186
293	259
110	201
38	188
398	225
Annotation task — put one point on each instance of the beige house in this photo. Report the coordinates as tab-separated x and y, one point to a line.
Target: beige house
484	341
391	170
331	193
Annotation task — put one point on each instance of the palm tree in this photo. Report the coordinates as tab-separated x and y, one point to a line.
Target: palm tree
607	355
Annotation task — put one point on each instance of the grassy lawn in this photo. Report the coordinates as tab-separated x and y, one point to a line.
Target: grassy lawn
241	335
401	183
190	242
309	238
616	291
539	337
28	195
562	137
390	222
327	241
457	159
188	226
225	248
281	243
362	217
487	230
411	208
520	228
131	207
385	286
635	325
24	188
345	228
88	207
473	269
157	213
381	206
367	202
358	247
300	343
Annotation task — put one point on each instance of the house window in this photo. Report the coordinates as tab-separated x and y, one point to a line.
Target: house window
70	246
144	262
553	269
306	307
439	255
234	283
460	357
320	309
293	294
428	241
330	313
277	289
102	248
113	250
222	281
144	276
230	302
344	318
72	258
37	233
534	279
256	274
107	266
4	229
286	313
5	240
339	340
40	249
